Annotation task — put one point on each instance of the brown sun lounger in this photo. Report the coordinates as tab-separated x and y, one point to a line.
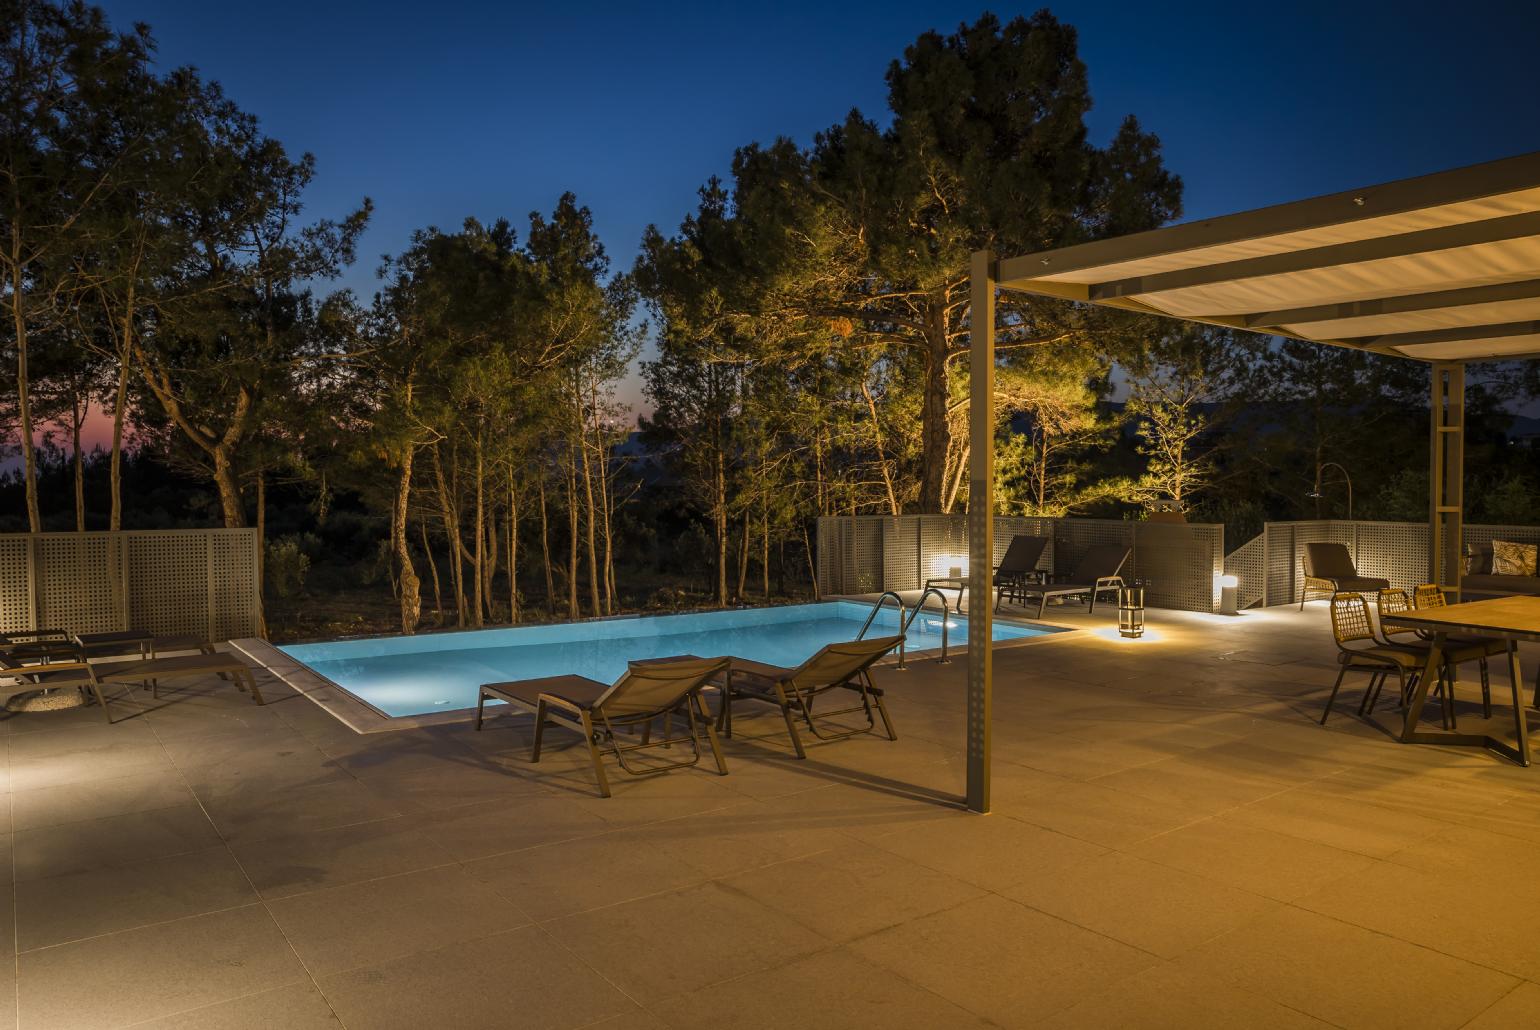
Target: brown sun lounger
1100	570
643	693
1019	565
842	666
145	671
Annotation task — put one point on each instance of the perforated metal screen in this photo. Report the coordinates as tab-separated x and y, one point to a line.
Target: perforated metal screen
197	582
1397	551
1179	564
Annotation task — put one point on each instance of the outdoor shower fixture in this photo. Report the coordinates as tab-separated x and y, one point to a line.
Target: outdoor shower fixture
1316	493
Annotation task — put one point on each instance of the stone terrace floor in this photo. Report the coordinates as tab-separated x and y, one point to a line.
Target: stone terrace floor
1175	843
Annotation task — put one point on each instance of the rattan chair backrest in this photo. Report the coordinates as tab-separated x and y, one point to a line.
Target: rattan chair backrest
1350	618
1429	595
1389	603
839	663
657	686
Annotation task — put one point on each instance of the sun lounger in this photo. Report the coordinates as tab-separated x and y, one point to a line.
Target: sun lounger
1019	566
843	666
149	672
643	693
1099	570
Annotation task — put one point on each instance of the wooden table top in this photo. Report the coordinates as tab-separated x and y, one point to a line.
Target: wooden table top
1516	617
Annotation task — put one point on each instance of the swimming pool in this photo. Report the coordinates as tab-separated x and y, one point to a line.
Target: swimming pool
441	671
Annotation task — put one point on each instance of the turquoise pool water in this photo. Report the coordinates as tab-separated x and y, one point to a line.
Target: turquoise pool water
441	671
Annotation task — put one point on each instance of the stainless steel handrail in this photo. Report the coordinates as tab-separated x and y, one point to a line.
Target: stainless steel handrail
903	623
943	660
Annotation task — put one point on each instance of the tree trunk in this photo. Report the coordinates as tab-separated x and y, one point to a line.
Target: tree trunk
479	600
743	557
812	561
261	551
882	457
572	528
719	511
545	551
588	492
427	552
411	593
451	534
119	401
79	408
513	549
764	530
935	430
24	392
229	488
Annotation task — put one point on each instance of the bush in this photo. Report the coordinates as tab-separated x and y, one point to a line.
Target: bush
286	567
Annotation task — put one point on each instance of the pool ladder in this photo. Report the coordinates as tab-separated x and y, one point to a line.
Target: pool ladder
906	620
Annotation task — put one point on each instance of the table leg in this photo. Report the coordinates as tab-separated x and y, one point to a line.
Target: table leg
1420	694
1516	682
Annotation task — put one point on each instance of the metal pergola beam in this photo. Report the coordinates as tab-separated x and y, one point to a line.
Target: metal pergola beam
1378	248
981	526
1450	187
1269	321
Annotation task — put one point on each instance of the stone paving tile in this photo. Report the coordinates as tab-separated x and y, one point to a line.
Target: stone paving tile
1175	842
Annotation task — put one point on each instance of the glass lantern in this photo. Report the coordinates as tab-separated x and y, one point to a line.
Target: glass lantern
1131	612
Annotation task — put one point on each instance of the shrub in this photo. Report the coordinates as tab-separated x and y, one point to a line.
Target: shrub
286	567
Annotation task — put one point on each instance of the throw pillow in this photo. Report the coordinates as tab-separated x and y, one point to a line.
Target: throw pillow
1510	559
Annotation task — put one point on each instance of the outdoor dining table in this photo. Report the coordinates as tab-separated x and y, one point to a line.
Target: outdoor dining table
1513	619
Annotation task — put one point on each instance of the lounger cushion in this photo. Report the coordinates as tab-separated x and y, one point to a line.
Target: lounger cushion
1358	584
578	690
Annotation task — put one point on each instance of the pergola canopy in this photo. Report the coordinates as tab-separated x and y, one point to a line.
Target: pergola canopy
1441	268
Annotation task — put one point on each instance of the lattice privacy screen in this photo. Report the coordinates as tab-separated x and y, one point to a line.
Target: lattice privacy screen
866	553
1397	551
197	582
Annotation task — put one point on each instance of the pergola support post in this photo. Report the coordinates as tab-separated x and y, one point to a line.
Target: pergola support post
1446	476
981	525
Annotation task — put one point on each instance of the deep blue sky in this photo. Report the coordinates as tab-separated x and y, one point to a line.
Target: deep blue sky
442	110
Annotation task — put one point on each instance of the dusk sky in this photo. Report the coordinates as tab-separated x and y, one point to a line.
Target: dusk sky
439	111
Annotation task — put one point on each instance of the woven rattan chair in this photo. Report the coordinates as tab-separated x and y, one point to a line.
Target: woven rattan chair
1350	625
645	692
1100	570
843	666
1462	648
1329	569
1019	566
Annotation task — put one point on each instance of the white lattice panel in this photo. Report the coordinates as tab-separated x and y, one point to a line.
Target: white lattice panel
234	610
169	573
76	585
15	584
1179	565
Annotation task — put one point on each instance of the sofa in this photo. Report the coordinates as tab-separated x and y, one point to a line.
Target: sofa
1480	581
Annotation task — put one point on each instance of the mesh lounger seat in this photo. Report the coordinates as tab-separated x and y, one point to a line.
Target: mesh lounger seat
841	666
1019	566
1100	570
146	671
644	692
1329	569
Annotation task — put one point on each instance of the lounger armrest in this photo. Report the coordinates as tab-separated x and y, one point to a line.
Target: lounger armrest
1107	582
552	701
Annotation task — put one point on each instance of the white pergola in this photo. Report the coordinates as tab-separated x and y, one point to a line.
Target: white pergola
1443	269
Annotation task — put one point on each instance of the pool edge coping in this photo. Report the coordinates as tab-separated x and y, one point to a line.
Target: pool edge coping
362	717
